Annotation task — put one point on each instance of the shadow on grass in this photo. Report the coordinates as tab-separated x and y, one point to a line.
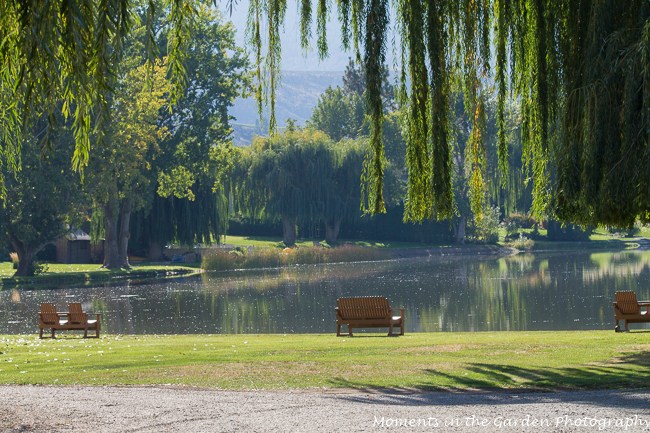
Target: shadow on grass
483	383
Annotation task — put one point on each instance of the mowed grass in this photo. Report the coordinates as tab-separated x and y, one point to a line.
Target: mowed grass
273	242
58	275
503	360
7	270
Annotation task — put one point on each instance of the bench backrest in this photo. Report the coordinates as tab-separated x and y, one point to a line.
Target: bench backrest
48	314
367	307
627	303
76	314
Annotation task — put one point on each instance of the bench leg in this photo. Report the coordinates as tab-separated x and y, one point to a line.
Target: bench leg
390	331
349	331
40	332
401	328
85	332
338	329
53	336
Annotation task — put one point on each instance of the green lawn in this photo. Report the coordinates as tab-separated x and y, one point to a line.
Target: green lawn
600	239
504	360
270	241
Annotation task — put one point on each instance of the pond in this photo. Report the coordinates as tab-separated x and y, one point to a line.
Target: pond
551	291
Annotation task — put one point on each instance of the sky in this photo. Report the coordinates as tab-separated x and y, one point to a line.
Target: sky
293	56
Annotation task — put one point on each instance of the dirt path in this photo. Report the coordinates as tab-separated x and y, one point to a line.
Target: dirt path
159	409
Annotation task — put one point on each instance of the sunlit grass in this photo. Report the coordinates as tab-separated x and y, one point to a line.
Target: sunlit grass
260	241
508	360
273	242
6	269
66	274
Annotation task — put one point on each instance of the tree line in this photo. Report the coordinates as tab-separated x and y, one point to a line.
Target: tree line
148	159
173	177
75	75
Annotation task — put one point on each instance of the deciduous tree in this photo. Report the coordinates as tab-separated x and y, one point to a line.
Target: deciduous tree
41	199
120	178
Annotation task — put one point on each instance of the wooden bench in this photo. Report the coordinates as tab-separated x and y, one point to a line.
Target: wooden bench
628	309
367	312
74	319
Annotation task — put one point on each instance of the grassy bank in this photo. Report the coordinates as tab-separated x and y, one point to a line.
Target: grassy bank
58	275
504	360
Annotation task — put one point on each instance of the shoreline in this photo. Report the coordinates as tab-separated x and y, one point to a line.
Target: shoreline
79	279
56	280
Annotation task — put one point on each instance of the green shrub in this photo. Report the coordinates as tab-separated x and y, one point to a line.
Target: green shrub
522	220
486	229
263	258
354	253
522	243
221	261
307	256
40	267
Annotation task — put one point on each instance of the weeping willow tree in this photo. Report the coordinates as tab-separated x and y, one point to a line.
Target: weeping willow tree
290	178
579	68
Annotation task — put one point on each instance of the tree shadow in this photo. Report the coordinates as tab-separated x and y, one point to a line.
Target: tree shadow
507	384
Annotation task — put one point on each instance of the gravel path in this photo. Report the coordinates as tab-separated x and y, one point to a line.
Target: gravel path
161	409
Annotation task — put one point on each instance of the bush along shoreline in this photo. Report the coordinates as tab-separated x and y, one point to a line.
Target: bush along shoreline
243	258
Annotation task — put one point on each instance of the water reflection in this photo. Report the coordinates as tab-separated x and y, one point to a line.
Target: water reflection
558	291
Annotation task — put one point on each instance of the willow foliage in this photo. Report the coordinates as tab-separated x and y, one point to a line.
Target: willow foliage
579	68
60	57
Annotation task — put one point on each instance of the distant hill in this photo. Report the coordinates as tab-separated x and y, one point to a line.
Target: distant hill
297	97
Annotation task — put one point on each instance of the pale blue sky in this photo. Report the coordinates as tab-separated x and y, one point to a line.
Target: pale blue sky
293	57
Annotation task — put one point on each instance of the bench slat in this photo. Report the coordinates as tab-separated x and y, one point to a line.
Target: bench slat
629	309
367	312
76	319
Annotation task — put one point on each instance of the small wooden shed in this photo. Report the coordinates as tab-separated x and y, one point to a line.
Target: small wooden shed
74	247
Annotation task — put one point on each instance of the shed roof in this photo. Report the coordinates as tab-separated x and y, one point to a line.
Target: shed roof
77	235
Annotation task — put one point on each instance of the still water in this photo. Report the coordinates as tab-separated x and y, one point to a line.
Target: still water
558	291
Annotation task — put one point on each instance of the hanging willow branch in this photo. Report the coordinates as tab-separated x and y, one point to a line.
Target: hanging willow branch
376	23
418	204
579	68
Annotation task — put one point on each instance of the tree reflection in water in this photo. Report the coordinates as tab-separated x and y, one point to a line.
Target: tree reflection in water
558	291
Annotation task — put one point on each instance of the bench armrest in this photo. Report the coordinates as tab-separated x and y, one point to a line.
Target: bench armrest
401	311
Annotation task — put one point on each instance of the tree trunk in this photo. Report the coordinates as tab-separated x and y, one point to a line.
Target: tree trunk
111	247
288	230
459	230
25	258
332	228
125	234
